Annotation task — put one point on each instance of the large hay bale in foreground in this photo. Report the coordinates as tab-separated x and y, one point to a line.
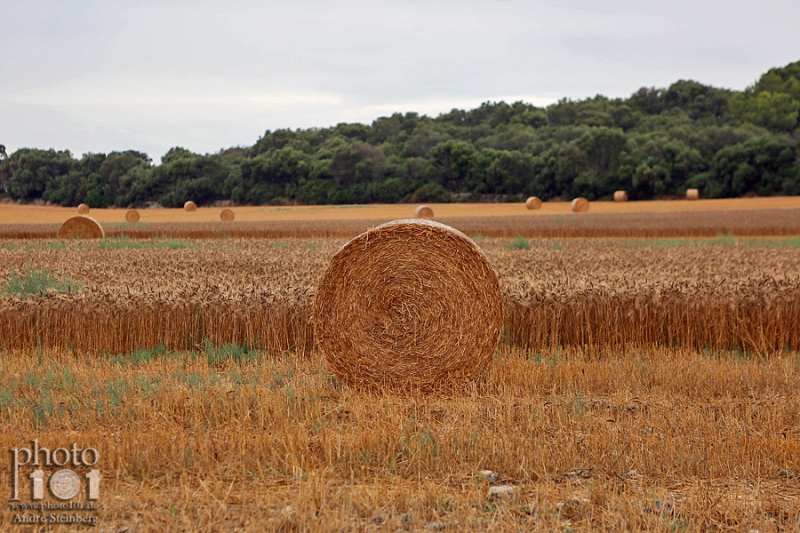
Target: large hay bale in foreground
423	211
533	203
80	227
411	304
83	209
227	215
692	194
621	196
190	206
132	216
580	205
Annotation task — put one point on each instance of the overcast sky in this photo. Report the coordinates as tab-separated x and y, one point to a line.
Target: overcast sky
99	76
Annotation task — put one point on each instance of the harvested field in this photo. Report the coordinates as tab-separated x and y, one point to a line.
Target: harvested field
640	383
669	224
717	293
657	440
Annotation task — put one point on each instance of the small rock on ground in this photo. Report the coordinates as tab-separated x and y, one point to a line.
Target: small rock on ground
489	476
502	492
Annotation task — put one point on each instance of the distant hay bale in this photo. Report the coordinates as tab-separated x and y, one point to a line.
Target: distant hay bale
83	209
423	211
132	216
692	194
80	227
190	206
533	203
580	205
227	215
411	304
621	196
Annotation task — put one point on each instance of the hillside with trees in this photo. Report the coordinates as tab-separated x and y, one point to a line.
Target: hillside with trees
654	144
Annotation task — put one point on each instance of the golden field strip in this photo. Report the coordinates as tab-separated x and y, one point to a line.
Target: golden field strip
641	384
33	214
657	440
721	293
741	216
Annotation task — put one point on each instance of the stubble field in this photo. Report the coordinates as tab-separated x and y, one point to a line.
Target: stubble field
641	384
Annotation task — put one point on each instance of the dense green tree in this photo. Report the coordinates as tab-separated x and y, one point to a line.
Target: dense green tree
32	170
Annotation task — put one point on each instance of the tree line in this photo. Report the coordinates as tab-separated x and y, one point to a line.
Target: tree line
654	144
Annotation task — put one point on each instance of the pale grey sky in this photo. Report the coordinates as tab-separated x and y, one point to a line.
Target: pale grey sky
98	76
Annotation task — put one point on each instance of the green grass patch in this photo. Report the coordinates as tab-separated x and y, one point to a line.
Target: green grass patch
140	356
519	243
176	244
35	282
122	242
229	352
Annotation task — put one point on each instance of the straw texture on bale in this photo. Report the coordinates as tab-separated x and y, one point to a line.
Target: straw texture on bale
132	216
190	206
533	203
423	211
80	227
83	209
692	194
621	196
580	205
227	215
411	304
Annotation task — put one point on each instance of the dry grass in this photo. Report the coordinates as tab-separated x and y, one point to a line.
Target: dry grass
533	203
80	227
29	214
132	216
640	385
412	304
527	224
619	294
423	211
579	205
660	440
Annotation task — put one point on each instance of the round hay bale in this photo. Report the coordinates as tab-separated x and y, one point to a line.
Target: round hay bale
411	304
83	209
132	216
533	203
580	205
190	207
692	194
423	211
80	227
227	215
621	196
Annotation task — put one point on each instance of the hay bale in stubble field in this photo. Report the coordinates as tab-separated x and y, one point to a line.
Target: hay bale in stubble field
83	209
621	196
692	194
411	304
132	216
533	203
423	211
80	227
190	206
227	215
580	205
